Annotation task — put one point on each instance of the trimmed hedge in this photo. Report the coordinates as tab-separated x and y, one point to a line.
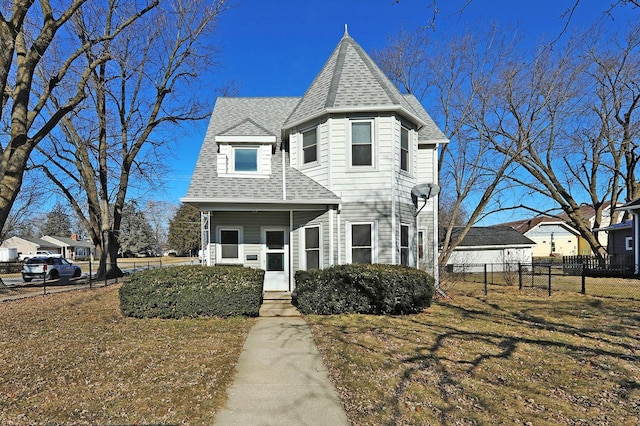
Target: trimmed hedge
192	291
366	289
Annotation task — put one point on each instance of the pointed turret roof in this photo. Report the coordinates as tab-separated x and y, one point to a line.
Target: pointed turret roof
350	81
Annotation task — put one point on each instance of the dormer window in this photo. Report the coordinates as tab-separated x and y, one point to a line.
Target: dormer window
245	159
244	156
309	146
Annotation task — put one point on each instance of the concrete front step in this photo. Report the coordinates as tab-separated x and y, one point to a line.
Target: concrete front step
278	304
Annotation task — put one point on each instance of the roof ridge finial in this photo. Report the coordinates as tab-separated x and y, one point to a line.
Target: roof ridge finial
346	33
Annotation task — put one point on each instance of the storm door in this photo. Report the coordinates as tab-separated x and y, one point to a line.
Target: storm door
275	259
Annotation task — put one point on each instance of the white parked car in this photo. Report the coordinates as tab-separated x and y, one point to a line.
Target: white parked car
50	267
39	253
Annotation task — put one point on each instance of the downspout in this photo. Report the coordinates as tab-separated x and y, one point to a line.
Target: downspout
331	253
284	177
291	281
339	236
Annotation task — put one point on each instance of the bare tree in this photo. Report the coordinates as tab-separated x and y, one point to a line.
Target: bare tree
554	123
29	32
455	78
147	86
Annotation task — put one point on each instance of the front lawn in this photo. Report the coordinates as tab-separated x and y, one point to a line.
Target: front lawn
502	359
73	359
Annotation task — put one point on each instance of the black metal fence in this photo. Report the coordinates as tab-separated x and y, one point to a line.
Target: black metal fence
535	278
616	265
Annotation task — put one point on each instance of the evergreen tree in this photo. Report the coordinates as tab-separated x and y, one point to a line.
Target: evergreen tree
136	234
57	223
184	230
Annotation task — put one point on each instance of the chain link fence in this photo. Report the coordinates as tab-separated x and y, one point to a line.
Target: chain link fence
13	286
543	279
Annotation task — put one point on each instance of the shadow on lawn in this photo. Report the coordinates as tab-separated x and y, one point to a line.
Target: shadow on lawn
595	343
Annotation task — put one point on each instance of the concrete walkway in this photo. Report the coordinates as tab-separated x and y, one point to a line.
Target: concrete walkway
280	379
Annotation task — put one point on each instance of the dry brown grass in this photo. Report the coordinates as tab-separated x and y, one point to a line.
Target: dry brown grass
72	358
503	359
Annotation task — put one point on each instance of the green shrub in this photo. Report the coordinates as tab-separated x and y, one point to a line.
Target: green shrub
192	291
366	289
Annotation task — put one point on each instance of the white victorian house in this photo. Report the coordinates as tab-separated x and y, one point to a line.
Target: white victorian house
291	183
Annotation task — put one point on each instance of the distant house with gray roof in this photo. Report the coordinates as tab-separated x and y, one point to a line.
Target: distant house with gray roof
498	246
296	183
67	247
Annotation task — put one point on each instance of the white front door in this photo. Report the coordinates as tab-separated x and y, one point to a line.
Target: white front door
275	259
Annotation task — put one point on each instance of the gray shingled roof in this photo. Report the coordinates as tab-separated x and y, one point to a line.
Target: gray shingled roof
491	236
350	80
250	117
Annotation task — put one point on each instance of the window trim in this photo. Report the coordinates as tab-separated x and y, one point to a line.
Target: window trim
304	250
628	243
233	261
374	240
233	159
373	144
316	161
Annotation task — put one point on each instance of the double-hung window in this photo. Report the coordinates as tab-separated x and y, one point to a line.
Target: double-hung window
362	143
404	245
230	245
309	146
312	247
362	243
404	149
245	159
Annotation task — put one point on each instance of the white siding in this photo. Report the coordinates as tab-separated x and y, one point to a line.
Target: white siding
471	260
251	223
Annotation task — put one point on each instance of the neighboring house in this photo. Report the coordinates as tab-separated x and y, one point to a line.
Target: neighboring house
499	246
552	236
555	237
290	183
30	245
633	207
71	248
620	241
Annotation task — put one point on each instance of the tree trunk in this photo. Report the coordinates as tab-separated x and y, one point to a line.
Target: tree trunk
109	257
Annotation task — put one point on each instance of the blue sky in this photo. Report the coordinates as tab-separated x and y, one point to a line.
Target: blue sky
276	47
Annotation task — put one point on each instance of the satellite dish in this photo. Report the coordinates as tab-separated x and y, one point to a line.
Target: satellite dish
424	191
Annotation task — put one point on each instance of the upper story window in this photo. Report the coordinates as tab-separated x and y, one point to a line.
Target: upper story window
245	156
245	160
362	143
309	146
404	149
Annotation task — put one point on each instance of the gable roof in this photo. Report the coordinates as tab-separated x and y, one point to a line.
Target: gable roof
262	117
482	236
68	241
351	81
525	225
